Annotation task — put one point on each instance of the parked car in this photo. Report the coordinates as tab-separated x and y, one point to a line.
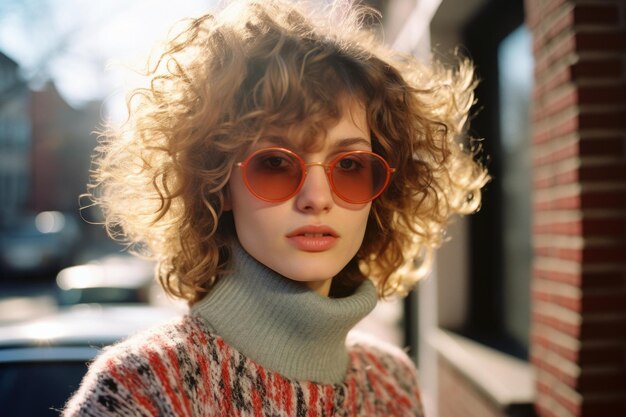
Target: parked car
43	361
37	245
110	279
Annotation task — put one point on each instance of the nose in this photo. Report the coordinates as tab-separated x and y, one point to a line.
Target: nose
315	196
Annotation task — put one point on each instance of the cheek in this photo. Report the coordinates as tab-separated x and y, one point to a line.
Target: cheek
255	220
358	223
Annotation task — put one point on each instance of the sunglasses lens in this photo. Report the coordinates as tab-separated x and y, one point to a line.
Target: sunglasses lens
359	177
274	175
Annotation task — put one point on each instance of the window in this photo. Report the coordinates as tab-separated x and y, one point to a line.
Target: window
500	250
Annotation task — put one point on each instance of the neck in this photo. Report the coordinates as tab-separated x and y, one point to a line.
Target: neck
282	324
320	287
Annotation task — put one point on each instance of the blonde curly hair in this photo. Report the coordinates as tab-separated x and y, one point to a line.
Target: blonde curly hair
259	65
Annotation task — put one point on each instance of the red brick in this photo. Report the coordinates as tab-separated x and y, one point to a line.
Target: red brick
541	136
569	125
613	94
560	24
571	303
608	172
603	303
564	277
595	280
604	120
558	79
604	382
601	355
605	254
602	146
565	46
570	329
555	369
543	183
550	53
603	200
559	253
565	101
567	177
601	41
604	408
607	329
532	13
609	227
562	178
548	389
565	152
570	355
610	68
569	228
551	6
565	203
604	15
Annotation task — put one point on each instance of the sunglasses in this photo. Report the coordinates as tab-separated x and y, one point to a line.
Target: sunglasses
277	174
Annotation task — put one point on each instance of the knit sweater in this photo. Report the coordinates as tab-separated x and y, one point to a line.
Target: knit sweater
257	345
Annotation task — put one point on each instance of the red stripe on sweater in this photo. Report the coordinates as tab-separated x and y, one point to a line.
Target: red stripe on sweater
374	360
257	403
173	358
357	363
313	398
156	362
225	404
269	392
328	400
351	403
286	395
200	358
130	380
399	398
276	387
373	379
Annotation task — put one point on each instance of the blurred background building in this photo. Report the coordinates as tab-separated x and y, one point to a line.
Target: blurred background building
525	311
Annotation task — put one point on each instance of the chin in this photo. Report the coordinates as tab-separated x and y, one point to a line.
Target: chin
308	273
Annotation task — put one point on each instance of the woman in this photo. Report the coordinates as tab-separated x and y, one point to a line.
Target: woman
285	170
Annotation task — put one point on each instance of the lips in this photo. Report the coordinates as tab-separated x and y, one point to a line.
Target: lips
313	238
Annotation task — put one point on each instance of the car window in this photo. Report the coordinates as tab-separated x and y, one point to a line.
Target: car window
38	389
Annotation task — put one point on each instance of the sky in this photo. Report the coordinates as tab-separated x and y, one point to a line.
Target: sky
87	47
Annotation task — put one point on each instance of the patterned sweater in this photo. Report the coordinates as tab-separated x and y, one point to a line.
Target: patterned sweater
258	345
181	369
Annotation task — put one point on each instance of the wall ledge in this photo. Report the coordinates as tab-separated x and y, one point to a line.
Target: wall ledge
507	381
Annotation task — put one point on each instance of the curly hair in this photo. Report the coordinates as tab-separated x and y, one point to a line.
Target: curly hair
226	79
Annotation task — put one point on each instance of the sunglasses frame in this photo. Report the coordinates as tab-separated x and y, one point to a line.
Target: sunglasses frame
305	169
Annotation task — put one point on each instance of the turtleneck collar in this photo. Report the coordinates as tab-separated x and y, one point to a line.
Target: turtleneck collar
281	324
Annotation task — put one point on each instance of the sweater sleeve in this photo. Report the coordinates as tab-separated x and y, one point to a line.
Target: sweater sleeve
114	386
142	376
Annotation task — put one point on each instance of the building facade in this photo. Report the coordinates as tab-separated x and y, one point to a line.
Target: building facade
525	313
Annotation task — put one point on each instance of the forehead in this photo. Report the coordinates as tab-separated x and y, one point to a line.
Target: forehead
349	128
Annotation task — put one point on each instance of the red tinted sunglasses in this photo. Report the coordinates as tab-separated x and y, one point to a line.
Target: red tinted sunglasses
277	174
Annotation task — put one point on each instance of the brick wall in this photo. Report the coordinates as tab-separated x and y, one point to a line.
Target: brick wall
579	159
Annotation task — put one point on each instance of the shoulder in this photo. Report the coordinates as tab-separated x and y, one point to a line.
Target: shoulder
178	336
126	378
389	365
381	354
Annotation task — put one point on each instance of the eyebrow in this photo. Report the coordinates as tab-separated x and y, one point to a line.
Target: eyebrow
341	143
347	142
275	140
